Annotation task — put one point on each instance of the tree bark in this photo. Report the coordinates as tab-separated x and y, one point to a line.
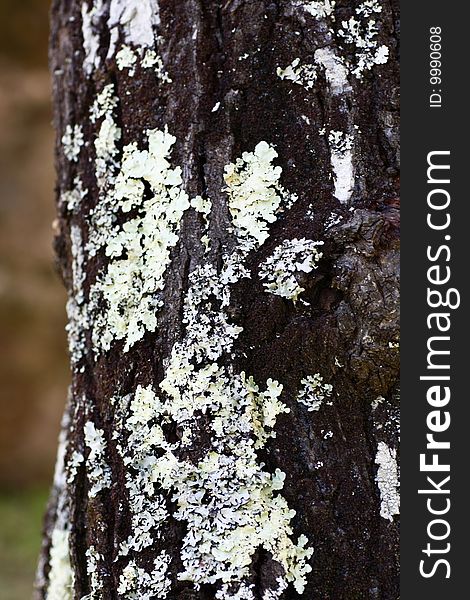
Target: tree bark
233	327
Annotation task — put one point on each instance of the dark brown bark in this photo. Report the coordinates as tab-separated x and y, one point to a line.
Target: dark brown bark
345	328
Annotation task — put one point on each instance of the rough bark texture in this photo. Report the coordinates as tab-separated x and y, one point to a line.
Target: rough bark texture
344	325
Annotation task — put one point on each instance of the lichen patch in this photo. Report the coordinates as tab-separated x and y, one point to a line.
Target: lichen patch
61	578
99	473
319	9
280	271
341	148
139	250
388	481
255	194
313	392
304	75
72	142
137	19
230	504
361	33
91	40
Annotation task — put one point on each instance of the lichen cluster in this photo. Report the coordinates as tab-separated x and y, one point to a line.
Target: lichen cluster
313	392
388	481
229	503
304	75
280	271
139	250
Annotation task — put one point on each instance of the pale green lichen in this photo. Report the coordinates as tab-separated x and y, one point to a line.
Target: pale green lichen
229	503
106	146
128	58
139	249
281	269
151	60
61	578
255	194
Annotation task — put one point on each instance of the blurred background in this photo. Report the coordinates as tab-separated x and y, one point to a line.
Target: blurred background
33	361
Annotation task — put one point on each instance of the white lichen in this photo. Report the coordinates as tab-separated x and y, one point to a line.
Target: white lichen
126	58
280	271
313	392
73	464
61	576
336	71
91	40
136	583
93	561
243	592
304	75
319	9
361	33
78	261
340	142
388	481
377	402
98	471
72	142
76	306
368	8
72	198
137	19
341	148
151	60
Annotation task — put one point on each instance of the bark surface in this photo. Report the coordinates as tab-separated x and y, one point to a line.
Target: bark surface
227	95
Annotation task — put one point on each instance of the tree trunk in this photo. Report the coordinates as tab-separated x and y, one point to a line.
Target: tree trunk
227	232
